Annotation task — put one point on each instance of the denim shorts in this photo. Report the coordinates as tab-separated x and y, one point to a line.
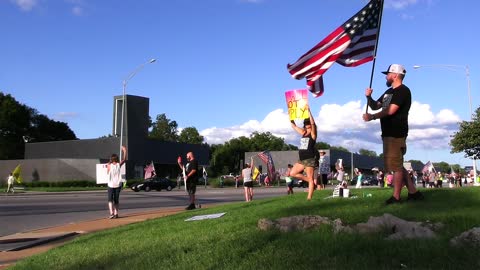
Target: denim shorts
114	194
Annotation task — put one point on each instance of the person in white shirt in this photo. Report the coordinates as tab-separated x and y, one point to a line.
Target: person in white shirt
248	181
115	182
10	181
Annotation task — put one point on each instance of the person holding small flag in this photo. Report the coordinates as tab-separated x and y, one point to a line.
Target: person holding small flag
306	152
190	177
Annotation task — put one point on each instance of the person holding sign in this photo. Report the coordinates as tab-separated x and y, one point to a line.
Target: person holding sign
248	181
306	151
115	182
190	177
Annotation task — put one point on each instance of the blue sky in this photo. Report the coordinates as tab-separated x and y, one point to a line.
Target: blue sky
221	65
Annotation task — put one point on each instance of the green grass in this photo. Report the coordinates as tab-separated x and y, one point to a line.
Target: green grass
234	241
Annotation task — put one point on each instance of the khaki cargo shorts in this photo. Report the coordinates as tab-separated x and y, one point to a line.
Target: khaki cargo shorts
393	151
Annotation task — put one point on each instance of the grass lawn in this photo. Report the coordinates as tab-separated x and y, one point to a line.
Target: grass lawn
234	241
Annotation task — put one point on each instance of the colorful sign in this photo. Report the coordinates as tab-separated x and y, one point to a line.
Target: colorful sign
297	100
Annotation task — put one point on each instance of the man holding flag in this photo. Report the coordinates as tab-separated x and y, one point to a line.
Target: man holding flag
394	104
190	177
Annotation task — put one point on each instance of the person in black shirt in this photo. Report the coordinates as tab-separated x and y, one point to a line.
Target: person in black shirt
306	153
394	104
191	178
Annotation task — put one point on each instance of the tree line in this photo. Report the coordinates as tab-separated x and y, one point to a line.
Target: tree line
20	123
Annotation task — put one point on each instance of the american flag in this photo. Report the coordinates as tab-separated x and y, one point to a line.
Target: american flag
428	167
149	171
266	157
350	45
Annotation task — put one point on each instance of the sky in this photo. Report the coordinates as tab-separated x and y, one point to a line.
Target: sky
221	66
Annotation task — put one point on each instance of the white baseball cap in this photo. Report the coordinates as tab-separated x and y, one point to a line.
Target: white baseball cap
395	68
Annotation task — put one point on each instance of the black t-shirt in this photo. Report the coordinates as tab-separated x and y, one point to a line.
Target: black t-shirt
307	148
192	165
396	125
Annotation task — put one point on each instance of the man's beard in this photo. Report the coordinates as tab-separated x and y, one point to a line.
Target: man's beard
389	83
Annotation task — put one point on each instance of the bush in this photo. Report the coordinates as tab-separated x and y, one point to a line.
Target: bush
74	183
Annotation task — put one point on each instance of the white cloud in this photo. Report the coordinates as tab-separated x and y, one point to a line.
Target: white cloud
342	125
399	4
77	11
78	7
25	5
252	1
63	116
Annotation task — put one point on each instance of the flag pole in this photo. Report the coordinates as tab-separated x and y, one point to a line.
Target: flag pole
375	50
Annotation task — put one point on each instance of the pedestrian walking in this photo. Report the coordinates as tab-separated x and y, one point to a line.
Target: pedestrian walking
10	183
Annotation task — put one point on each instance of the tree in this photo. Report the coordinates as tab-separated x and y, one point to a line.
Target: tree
227	158
190	135
442	166
467	139
339	148
322	145
164	129
366	152
266	141
18	121
44	129
14	123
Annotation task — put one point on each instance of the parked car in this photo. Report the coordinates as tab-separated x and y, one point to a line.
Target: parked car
300	183
156	183
229	176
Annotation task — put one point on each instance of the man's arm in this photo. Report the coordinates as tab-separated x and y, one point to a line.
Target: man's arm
374	105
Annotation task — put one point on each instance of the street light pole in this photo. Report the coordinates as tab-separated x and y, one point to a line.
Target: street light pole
124	101
467	74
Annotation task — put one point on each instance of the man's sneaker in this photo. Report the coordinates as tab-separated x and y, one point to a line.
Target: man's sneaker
417	196
392	200
190	207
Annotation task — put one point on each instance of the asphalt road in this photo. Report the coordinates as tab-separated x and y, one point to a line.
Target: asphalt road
28	211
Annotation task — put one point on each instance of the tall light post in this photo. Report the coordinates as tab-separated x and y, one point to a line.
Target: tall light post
124	102
351	160
467	74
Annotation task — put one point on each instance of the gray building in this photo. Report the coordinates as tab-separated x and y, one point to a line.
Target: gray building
77	159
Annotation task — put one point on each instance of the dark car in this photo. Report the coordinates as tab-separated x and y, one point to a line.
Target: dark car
154	183
300	183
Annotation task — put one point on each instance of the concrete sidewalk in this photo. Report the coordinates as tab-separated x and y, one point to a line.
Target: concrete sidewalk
21	245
